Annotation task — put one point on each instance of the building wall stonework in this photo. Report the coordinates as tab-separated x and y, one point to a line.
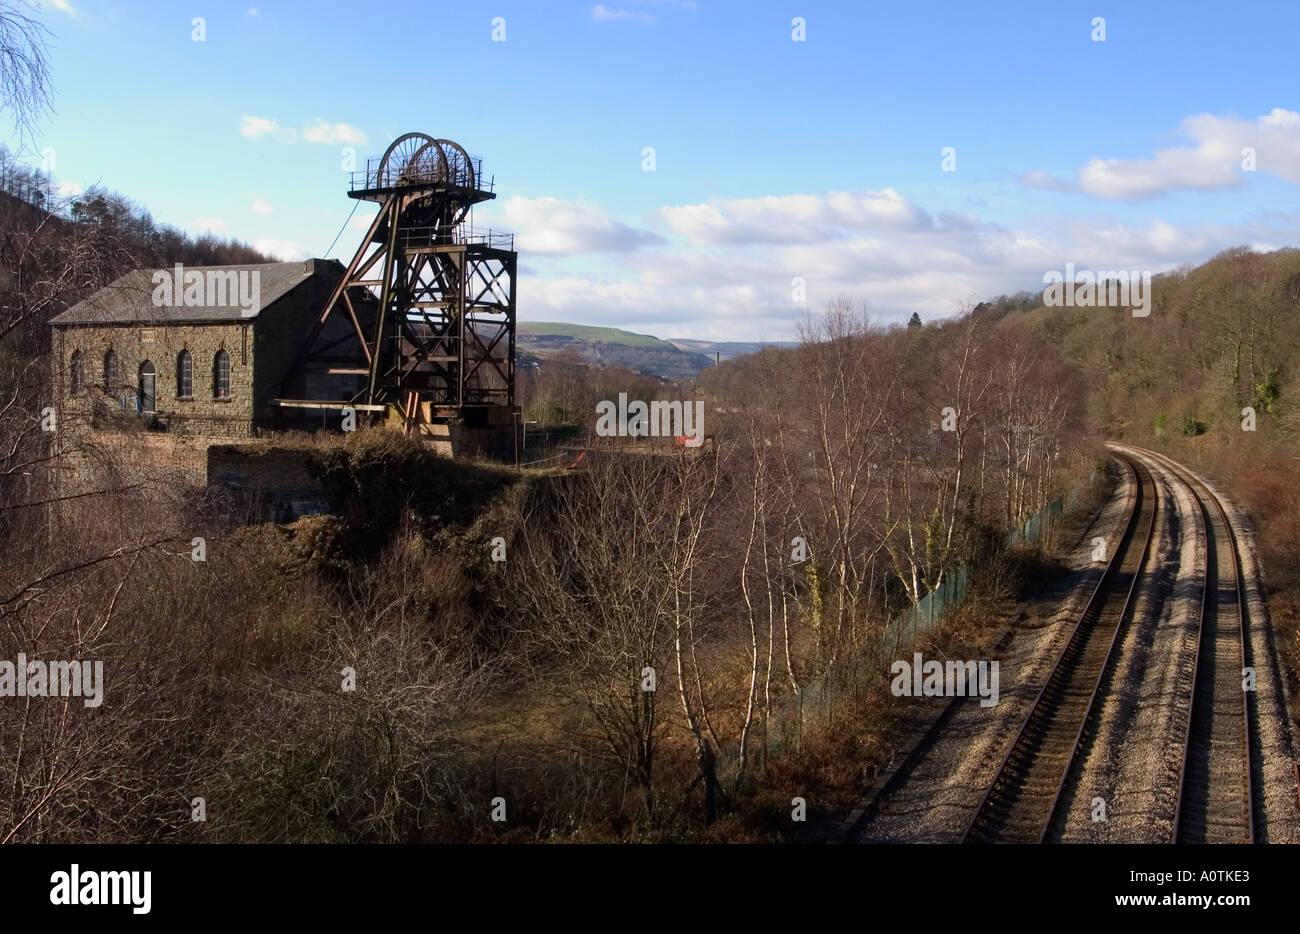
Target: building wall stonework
110	444
262	350
200	413
150	462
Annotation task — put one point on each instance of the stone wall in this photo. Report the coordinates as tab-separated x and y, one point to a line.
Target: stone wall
198	414
261	481
496	442
274	481
153	463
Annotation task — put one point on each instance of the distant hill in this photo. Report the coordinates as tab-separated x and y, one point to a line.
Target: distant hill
726	349
610	346
551	331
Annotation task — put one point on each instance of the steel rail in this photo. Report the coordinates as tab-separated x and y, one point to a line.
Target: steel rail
1205	698
1040	725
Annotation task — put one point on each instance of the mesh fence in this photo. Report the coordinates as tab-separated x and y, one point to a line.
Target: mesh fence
904	628
818	704
1038	524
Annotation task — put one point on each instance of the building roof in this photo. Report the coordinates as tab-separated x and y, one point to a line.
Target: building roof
153	296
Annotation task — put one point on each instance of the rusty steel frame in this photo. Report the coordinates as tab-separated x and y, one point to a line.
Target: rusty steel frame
441	328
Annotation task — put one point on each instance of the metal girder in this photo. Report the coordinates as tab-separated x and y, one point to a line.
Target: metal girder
426	307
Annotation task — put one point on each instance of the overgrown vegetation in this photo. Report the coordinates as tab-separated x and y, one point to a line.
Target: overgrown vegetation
628	652
664	645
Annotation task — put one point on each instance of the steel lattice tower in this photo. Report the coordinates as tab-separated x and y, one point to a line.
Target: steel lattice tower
424	318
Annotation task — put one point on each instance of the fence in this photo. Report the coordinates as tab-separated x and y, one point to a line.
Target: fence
1038	523
904	628
814	705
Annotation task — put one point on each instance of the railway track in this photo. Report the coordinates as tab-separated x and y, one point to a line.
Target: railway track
1021	801
1215	799
1213	783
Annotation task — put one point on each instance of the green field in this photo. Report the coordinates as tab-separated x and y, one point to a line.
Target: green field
592	333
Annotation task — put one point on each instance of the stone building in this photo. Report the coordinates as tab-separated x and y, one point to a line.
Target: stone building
197	352
168	379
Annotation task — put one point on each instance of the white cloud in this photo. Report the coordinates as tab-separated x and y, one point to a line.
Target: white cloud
317	131
549	225
254	12
69	189
260	207
361	221
732	280
255	127
1212	161
211	225
284	250
63	6
1045	180
795	218
603	14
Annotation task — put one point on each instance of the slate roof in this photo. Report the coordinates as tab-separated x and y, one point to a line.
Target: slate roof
129	300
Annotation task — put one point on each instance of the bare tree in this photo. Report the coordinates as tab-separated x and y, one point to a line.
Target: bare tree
945	418
24	67
690	496
849	382
588	570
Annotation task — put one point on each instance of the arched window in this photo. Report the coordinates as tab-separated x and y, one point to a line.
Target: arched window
184	374
145	392
221	376
110	372
78	377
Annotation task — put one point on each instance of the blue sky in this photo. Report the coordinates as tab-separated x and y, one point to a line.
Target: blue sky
775	160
